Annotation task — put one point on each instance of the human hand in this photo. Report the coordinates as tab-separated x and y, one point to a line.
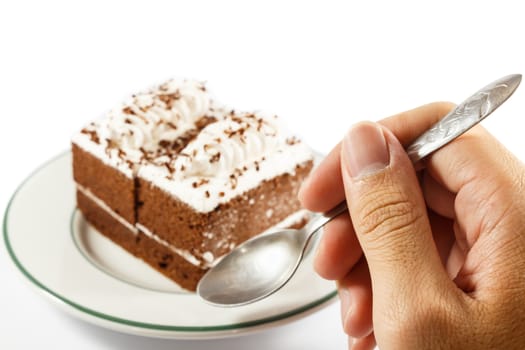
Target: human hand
428	260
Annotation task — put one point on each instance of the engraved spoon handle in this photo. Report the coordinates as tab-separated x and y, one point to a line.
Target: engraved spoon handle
470	112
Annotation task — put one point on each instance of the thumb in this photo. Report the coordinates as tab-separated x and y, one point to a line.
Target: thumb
388	213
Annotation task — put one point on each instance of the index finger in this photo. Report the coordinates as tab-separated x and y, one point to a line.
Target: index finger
324	187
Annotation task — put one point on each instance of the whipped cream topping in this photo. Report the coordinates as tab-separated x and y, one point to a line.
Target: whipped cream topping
182	141
146	125
227	158
224	145
164	113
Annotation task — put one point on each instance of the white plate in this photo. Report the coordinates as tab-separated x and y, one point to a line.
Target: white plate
95	280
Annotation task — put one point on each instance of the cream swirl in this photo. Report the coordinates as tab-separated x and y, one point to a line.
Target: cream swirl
238	140
163	113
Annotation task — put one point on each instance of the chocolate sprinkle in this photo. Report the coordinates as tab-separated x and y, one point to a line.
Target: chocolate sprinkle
292	140
215	157
128	110
169	99
164	143
204	121
169	167
93	136
199	183
121	153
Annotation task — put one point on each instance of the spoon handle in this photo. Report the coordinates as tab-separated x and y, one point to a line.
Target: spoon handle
320	220
467	114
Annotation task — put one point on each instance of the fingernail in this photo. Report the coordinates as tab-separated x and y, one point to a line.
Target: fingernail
346	303
365	150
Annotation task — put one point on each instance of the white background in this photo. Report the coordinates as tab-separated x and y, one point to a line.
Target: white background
320	65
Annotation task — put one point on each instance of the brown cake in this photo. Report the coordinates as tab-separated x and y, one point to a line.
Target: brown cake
178	181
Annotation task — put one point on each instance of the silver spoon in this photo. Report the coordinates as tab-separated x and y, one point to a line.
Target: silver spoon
262	265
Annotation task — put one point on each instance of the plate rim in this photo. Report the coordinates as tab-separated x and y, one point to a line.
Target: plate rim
86	311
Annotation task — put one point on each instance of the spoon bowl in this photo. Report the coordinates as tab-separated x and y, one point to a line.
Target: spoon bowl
261	265
241	275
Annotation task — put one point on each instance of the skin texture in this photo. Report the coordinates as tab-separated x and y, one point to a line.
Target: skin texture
433	259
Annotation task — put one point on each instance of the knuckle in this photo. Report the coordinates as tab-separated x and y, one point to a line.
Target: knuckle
388	212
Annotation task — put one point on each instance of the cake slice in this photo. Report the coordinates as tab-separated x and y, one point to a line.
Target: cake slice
178	182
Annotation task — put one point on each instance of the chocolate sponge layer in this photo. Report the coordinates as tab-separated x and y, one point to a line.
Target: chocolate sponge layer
160	257
105	182
231	223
